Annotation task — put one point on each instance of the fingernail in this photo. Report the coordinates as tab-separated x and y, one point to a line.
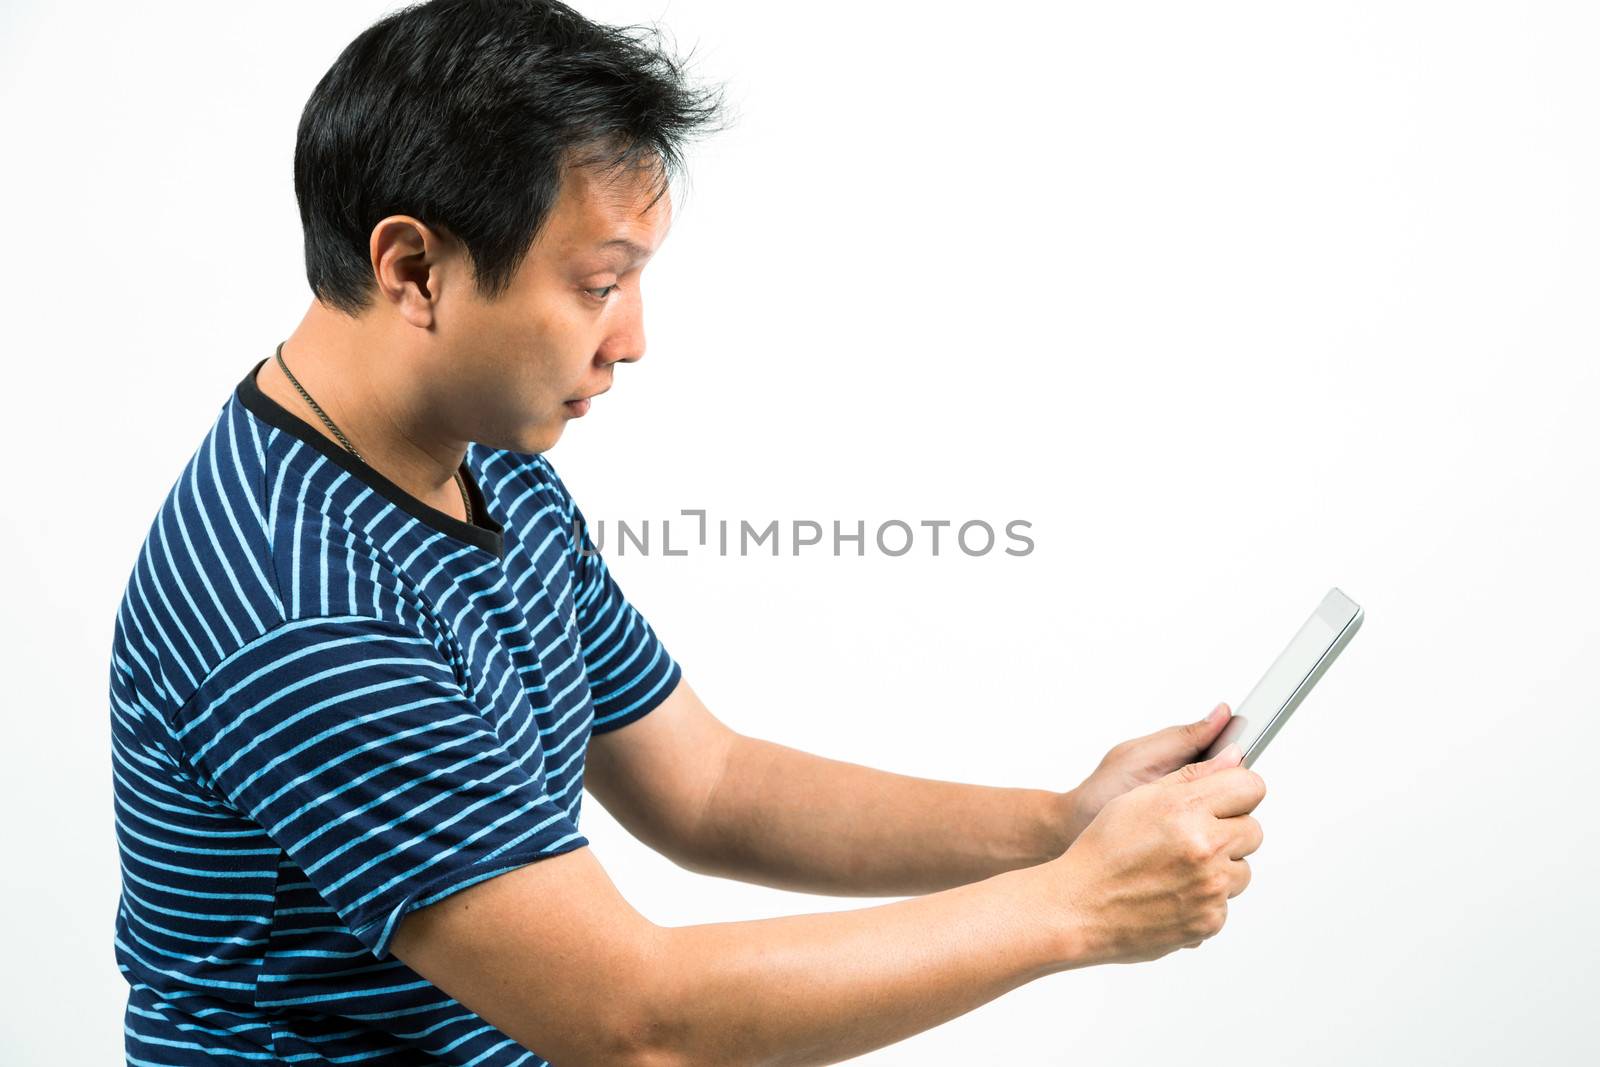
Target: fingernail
1231	753
1216	713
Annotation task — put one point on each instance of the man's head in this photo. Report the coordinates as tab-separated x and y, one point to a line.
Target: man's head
480	183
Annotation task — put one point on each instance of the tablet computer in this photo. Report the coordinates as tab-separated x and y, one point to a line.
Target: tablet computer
1262	713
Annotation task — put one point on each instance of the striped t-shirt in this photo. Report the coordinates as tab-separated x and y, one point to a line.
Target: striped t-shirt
332	704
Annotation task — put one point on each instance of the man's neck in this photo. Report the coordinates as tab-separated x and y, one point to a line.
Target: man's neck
360	382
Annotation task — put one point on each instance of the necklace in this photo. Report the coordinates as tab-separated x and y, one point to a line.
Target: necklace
466	501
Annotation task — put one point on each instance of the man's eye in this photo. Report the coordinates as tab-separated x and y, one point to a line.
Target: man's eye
602	292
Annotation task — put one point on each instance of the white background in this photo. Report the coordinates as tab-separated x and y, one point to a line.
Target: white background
1233	302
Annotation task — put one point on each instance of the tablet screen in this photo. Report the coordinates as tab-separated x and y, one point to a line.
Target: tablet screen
1291	676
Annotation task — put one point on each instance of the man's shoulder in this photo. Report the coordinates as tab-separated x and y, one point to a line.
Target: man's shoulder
213	524
253	534
201	583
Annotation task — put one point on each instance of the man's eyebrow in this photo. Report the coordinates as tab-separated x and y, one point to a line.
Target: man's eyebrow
634	248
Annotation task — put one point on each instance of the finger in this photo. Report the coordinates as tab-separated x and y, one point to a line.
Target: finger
1199	735
1181	743
1230	791
1244	836
1238	877
1193	772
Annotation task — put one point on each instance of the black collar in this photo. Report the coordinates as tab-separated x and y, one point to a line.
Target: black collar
490	536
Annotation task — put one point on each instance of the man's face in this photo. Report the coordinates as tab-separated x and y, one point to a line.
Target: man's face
525	364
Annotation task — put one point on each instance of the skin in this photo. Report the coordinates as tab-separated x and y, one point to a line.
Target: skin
433	365
1005	885
554	956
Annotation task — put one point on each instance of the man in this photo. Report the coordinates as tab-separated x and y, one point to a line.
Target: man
368	660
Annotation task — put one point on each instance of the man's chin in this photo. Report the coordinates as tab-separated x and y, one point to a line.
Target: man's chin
532	440
543	439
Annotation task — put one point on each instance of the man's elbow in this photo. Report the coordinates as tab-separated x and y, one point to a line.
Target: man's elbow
620	1046
627	1026
650	1030
625	1031
642	1045
553	956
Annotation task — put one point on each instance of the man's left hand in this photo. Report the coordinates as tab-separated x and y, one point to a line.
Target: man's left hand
1141	760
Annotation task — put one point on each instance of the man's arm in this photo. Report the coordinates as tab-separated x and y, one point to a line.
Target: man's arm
717	802
552	955
555	957
797	821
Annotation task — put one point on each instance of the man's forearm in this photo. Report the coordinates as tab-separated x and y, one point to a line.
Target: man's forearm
794	820
821	988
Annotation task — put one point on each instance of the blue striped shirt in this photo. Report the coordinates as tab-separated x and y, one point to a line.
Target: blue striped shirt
330	705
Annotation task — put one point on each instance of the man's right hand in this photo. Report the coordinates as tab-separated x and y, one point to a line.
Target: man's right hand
1156	868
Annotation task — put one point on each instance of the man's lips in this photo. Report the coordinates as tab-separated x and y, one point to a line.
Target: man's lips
580	406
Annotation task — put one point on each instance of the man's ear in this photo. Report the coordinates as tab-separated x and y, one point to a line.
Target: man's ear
412	262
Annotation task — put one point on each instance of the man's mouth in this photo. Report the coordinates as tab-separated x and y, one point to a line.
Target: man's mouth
580	405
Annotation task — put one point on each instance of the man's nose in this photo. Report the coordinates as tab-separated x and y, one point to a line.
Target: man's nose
621	354
626	345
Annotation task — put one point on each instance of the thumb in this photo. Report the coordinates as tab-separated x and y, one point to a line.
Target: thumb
1201	734
1191	739
1189	772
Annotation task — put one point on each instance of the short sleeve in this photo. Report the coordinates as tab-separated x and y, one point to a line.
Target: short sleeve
629	669
353	745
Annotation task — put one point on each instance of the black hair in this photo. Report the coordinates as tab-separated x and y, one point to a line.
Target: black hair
466	114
